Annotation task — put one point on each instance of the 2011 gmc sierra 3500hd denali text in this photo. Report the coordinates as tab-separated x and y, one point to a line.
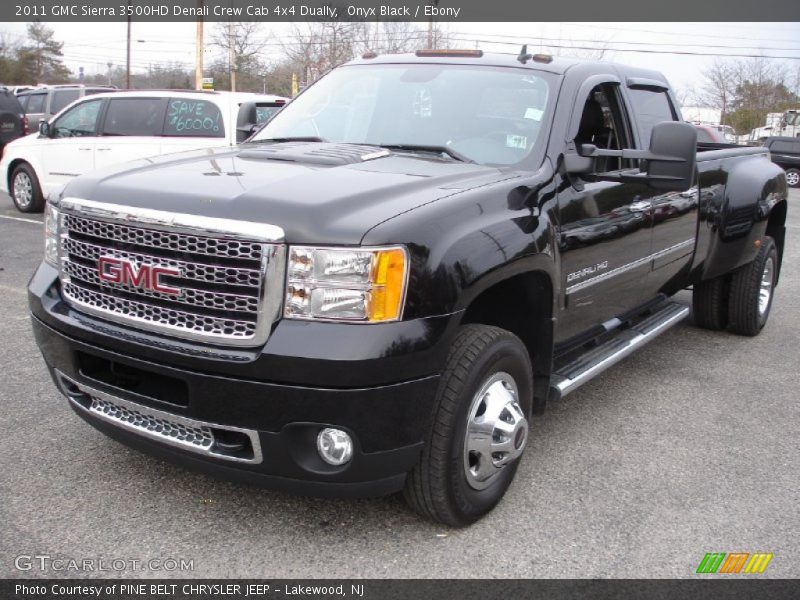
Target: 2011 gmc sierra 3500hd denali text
378	290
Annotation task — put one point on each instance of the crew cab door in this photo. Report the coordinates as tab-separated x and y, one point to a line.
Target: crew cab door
604	227
70	149
673	214
131	130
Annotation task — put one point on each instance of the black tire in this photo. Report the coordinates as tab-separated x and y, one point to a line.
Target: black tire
793	177
710	304
438	487
747	314
25	190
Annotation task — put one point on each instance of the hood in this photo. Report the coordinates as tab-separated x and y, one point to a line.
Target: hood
318	193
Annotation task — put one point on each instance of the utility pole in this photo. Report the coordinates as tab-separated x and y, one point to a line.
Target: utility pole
431	43
198	56
128	54
232	53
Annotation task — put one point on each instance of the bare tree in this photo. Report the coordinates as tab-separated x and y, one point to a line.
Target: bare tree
248	43
720	86
392	37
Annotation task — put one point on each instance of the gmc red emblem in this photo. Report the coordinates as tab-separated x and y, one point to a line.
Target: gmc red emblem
146	277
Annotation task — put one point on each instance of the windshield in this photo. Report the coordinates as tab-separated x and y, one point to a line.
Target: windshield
488	115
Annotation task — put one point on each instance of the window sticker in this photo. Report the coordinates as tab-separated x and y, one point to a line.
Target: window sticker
534	114
516	141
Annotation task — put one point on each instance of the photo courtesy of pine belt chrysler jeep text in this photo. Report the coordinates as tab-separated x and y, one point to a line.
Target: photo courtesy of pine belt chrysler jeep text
381	288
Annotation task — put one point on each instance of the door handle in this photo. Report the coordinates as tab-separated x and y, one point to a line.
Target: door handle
103	149
641	206
85	149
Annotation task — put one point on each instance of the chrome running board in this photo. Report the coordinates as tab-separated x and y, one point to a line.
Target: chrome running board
573	374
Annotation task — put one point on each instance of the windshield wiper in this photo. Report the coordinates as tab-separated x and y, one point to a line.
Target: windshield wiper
428	148
289	139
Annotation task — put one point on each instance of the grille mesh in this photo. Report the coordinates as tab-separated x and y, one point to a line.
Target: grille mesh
157	314
201	437
155	238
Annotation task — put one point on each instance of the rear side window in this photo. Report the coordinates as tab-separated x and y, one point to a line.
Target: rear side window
61	98
35	103
10	103
651	108
784	147
264	112
134	116
193	118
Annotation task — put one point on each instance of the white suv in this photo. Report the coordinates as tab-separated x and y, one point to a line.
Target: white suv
106	129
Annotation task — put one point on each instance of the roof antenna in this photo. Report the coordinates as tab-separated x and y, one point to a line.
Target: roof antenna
524	57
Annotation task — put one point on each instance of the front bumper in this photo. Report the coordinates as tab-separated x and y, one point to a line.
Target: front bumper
272	395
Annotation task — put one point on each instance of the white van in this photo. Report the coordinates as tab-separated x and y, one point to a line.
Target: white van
106	129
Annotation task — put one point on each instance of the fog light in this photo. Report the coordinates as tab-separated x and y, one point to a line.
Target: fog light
334	446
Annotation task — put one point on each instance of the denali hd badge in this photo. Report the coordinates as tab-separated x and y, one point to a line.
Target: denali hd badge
146	277
590	270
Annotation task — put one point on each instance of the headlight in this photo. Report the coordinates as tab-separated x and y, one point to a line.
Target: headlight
366	285
51	235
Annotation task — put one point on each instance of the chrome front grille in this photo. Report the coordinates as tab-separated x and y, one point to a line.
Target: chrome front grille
192	277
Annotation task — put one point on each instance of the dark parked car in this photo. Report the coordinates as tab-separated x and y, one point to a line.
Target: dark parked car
13	123
785	152
45	101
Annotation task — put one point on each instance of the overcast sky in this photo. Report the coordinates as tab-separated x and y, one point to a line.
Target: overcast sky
653	45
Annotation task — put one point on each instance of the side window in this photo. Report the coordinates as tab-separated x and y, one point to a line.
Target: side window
782	147
78	121
703	136
134	116
651	108
35	103
264	112
61	98
188	117
605	125
23	101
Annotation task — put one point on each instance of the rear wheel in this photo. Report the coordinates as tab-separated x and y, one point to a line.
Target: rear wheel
479	428
752	289
710	304
793	177
25	190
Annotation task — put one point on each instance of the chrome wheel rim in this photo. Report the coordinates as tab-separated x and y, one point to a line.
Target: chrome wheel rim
765	290
497	430
793	178
23	189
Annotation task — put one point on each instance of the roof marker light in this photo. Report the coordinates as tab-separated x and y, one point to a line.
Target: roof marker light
432	52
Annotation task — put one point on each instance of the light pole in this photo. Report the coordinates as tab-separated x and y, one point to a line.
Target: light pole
128	57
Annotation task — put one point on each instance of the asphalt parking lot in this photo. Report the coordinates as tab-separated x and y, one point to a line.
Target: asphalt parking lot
690	446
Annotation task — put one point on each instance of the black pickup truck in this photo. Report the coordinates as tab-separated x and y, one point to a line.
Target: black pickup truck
382	287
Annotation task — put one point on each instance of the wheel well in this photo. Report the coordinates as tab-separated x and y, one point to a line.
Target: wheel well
776	230
523	305
11	166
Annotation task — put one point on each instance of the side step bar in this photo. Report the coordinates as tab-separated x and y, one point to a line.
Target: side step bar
578	371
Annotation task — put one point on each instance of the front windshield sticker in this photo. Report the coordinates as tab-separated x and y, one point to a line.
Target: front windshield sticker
534	114
516	141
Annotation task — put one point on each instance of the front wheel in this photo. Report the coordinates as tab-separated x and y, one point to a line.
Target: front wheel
752	288
479	428
793	177
25	190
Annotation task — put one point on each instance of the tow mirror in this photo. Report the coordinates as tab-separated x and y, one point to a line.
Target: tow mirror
670	161
673	150
44	128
